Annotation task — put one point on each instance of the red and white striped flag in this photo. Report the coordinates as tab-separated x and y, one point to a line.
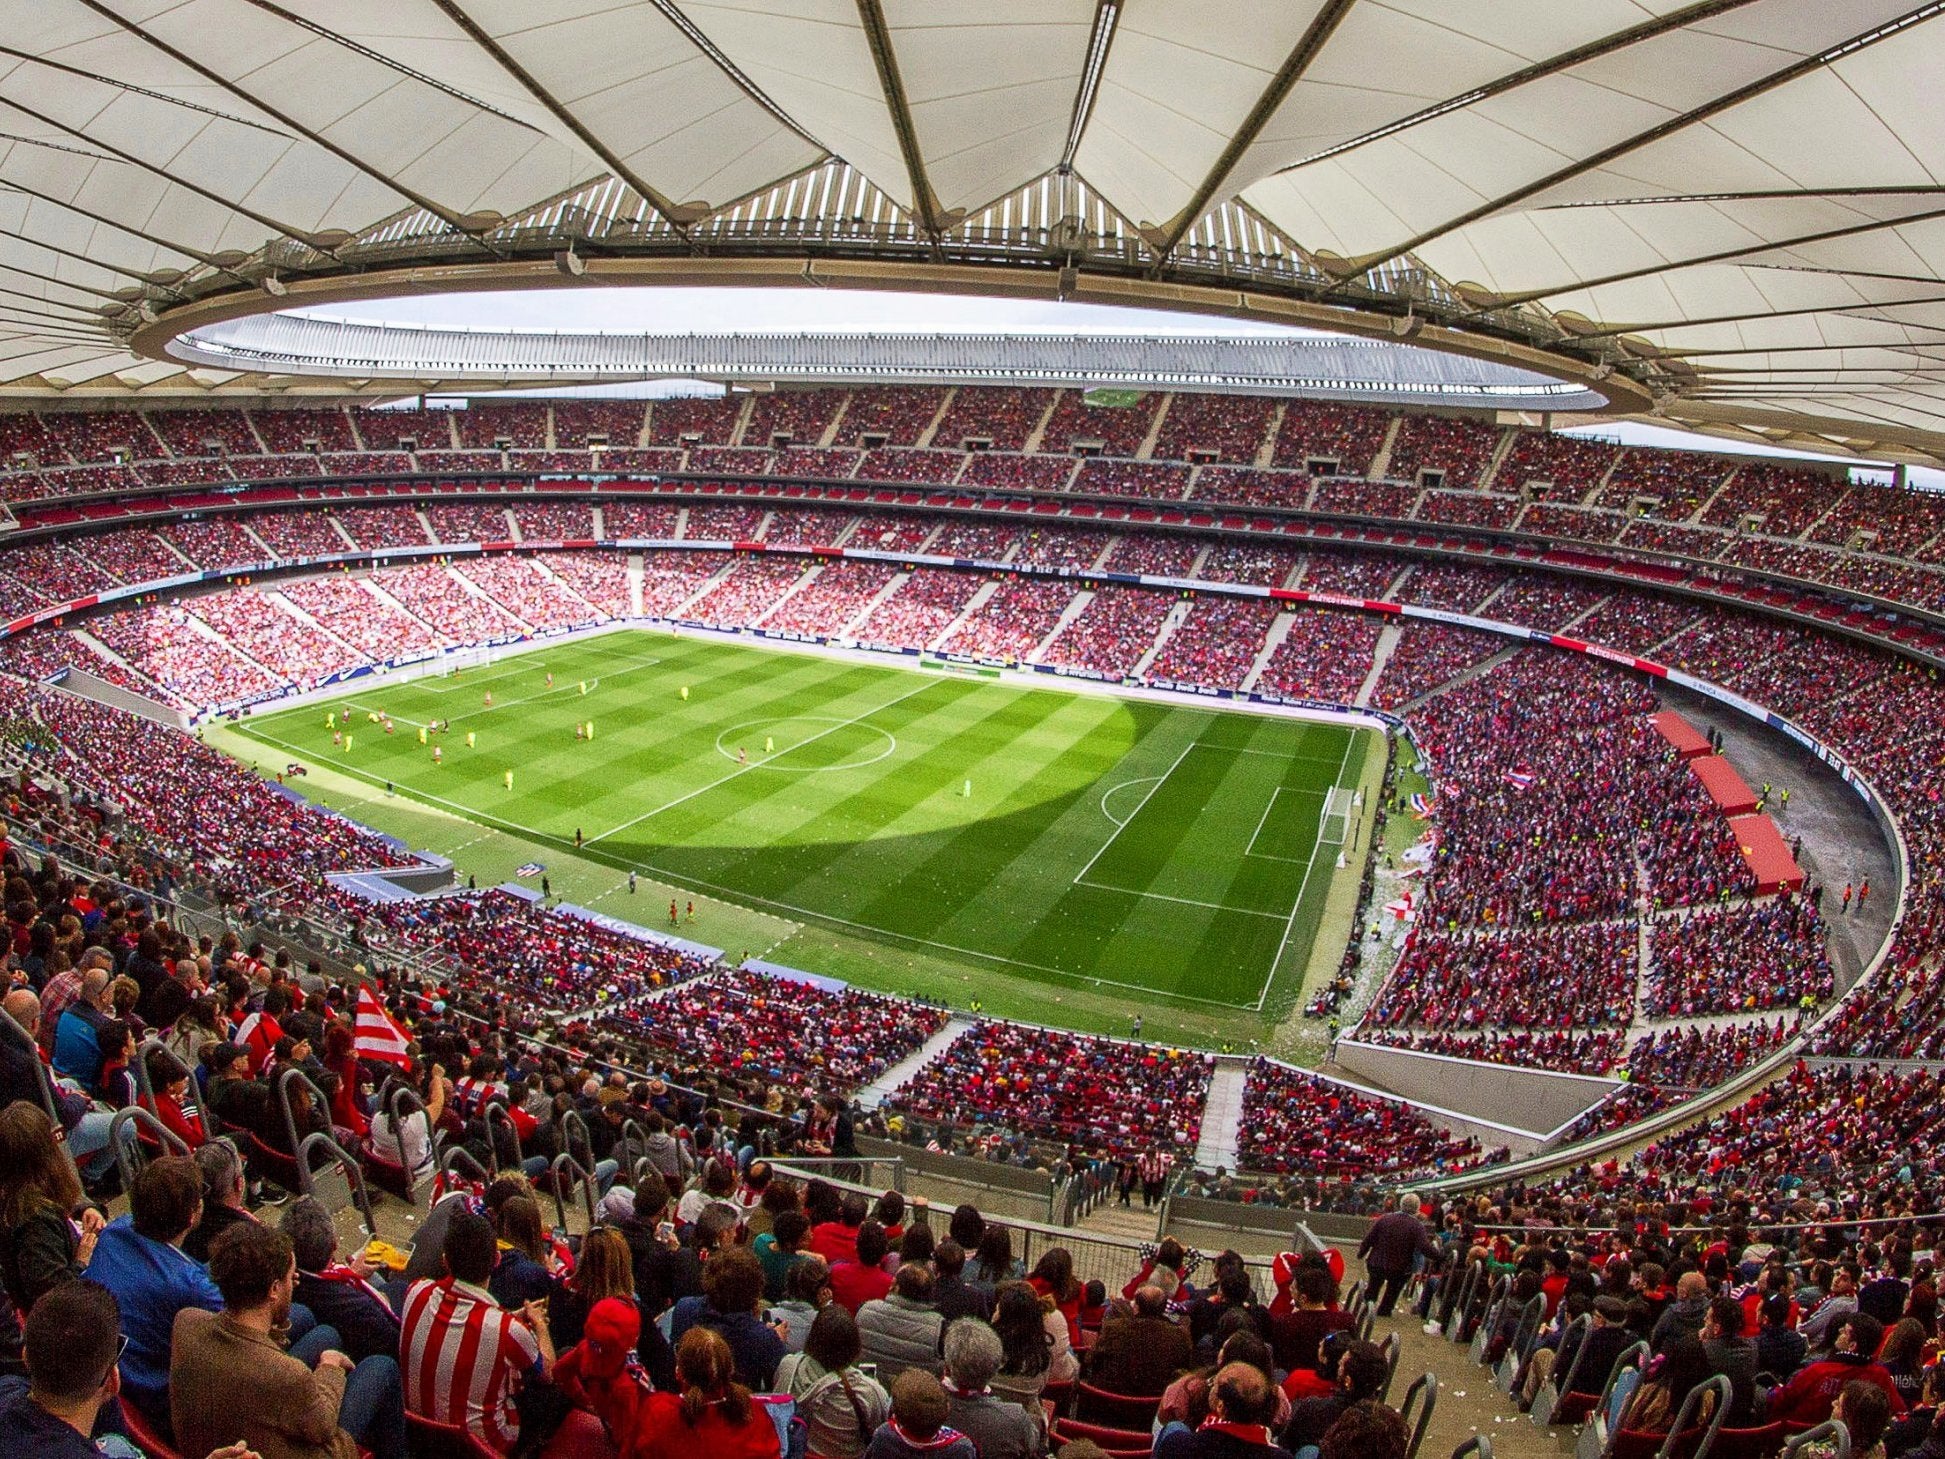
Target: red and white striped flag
378	1037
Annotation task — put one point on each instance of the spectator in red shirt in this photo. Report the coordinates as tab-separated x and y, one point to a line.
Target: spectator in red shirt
1806	1400
863	1278
837	1240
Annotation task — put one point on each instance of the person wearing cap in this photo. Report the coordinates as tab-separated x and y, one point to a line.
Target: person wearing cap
599	1373
1606	1341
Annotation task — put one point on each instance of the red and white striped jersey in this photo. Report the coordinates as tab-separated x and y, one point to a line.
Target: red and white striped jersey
463	1359
471	1095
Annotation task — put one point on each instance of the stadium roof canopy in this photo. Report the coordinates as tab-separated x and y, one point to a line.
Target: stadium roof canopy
1724	214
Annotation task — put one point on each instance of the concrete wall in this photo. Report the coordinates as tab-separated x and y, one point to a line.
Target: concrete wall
87	686
1534	1100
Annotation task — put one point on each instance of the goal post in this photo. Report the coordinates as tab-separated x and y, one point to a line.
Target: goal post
1334	822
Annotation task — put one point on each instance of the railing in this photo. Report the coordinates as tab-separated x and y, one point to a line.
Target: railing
494	1113
11	1030
566	1171
128	1156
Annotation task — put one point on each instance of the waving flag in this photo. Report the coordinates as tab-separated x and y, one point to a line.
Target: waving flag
530	868
1521	779
377	1036
1421	803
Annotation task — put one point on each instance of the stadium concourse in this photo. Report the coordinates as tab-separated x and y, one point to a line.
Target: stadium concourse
188	939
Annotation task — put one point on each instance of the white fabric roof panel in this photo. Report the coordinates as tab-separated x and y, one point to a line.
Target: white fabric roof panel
1515	146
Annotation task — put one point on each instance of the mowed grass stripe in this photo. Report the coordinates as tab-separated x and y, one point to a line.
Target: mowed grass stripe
892	849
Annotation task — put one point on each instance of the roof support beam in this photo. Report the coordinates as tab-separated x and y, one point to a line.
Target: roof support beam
1309	46
207	260
1621	39
438	210
925	203
1726	255
679	218
1681	122
303	236
1760	314
1100	41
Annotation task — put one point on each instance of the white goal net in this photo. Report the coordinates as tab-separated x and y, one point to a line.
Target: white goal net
1334	827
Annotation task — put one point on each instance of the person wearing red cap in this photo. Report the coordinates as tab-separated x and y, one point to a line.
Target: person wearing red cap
600	1373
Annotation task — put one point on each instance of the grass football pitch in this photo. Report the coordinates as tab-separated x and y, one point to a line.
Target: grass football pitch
1077	840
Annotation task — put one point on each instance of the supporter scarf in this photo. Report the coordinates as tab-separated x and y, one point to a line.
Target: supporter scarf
345	1276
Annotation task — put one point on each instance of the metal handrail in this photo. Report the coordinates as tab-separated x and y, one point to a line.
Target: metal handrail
12	1028
493	1145
284	1078
134	1114
1545	1403
454	1155
1479	1445
1423	1387
571	1124
584	1178
360	1196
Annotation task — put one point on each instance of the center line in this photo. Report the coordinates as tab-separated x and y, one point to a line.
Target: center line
759	764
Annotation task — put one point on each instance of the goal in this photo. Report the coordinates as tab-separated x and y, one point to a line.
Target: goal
1334	825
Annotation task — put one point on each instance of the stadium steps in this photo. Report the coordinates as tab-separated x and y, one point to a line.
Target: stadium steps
1387	644
1585	613
1146	450
856	620
1497	459
931	431
829	437
1039	431
982	595
709	585
1708	501
277	600
339	528
1177	616
1593	493
1380	465
1484	667
269	552
1222	1115
797	585
1272	641
905	1070
1265	456
1073	610
467	585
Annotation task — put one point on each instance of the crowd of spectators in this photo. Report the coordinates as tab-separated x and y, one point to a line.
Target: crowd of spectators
1575	976
346	607
918	612
1014	621
823	606
527	591
1469	509
601	578
724	523
1348	437
809	528
670	578
1459	450
635	521
1429	655
1109	637
1216	644
1739	960
457	522
579	423
703	420
256	623
753	1031
750	590
554	521
1002	417
891	415
1326	655
1075	548
1009	472
1154	555
1118	430
164	643
1569	1050
1064	1087
1294	1120
1202	427
431	593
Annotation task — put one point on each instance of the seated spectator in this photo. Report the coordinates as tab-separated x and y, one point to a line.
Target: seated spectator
1733	1356
505	1351
1780	1348
840	1406
732	1290
955	1296
712	1415
1242	1404
72	1336
1295	1335
1865	1412
230	1379
1367	1430
170	1080
1808	1397
340	1295
999	1428
1658	1401
525	1271
917	1428
1143	1353
225	1203
837	1240
47	1234
903	1329
595	1373
806	1293
780	1248
862	1277
77	1033
1026	1346
140	1259
1360	1376
1606	1340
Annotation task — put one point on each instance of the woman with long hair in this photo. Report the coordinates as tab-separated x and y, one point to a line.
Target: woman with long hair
341	1058
47	1231
995	1263
1053	1278
1903	1357
713	1414
606	1269
1026	1348
841	1405
525	1270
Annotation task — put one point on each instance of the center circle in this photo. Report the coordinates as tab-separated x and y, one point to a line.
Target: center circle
848	744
